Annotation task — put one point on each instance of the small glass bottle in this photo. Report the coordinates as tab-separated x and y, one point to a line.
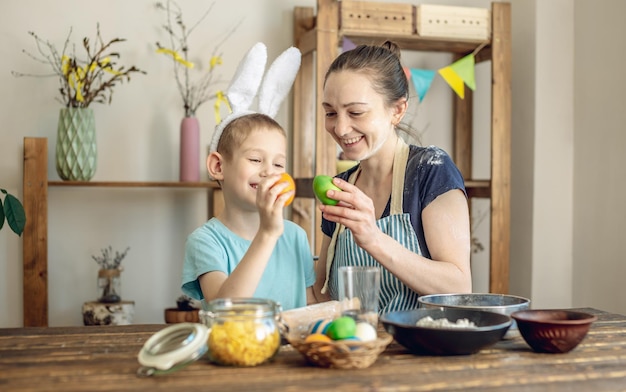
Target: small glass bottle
244	331
109	286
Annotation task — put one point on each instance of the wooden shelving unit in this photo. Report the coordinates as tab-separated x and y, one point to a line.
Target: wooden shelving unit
319	36
35	236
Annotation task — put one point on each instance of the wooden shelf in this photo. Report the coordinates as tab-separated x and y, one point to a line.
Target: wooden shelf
136	184
318	36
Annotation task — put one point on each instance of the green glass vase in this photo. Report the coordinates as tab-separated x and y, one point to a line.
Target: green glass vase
76	149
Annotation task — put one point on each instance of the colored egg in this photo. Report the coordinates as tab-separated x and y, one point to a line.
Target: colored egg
291	186
319	326
317	337
365	332
341	328
321	185
351	339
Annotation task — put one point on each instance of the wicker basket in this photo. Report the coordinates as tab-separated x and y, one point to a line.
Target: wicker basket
342	354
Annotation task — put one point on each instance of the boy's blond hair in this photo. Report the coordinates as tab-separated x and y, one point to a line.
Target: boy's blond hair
238	130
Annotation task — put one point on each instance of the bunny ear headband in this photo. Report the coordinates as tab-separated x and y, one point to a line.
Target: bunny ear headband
245	84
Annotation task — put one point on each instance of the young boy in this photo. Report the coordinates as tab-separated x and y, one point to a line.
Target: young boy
249	249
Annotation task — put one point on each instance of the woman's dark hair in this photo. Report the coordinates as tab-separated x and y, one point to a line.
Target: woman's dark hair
381	63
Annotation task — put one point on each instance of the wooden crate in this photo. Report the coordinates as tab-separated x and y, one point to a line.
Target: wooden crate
440	21
368	16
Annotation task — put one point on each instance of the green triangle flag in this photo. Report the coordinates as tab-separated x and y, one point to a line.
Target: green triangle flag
464	67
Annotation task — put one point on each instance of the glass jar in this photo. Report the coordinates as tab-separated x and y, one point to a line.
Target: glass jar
109	286
244	331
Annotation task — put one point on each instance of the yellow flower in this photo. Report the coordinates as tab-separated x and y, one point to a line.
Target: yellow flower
219	98
176	57
215	60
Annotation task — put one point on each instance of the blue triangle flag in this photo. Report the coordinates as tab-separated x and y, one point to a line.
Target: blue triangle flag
422	79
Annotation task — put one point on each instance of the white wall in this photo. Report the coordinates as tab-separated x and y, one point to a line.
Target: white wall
138	141
568	151
600	140
554	155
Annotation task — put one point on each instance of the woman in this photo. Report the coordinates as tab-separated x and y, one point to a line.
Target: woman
404	207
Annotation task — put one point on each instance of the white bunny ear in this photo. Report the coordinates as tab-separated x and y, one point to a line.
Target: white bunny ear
243	88
245	84
278	81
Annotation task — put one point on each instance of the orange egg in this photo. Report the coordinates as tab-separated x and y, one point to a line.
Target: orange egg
317	337
285	177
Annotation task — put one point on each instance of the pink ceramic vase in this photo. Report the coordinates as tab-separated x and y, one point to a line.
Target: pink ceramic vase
190	149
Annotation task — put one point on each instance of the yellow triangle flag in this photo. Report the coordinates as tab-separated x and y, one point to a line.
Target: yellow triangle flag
454	80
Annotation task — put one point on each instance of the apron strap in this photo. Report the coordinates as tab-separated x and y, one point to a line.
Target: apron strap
397	192
333	240
400	160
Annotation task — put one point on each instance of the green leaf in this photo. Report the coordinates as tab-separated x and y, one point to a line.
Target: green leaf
1	213
15	215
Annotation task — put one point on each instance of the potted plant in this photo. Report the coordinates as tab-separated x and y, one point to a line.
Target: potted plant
109	275
196	82
12	211
83	80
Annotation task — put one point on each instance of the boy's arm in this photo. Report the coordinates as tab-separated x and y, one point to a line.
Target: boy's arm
244	279
310	296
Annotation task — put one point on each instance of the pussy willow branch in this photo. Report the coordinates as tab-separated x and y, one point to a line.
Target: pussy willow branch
193	95
91	81
105	261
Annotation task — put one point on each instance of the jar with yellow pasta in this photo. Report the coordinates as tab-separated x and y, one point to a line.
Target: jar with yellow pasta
243	331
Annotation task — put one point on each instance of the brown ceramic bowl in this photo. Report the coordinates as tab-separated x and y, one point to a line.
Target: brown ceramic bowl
553	330
175	315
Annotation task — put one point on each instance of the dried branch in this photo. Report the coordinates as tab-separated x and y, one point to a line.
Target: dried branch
107	261
197	90
82	81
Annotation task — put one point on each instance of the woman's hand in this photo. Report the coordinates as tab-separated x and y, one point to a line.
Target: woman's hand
355	211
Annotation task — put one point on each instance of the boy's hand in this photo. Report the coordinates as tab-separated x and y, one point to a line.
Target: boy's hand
270	201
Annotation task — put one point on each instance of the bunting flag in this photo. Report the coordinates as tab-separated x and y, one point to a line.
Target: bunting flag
454	80
460	73
464	67
422	79
347	45
407	72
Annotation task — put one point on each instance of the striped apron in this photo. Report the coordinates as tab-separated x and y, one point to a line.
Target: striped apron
343	250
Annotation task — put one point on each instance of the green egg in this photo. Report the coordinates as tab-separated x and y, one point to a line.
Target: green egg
341	328
321	185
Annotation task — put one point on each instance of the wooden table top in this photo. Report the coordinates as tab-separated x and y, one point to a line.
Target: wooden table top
104	358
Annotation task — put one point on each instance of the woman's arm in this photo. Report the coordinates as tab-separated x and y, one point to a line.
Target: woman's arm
446	228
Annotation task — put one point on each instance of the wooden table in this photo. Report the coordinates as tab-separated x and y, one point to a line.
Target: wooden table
104	358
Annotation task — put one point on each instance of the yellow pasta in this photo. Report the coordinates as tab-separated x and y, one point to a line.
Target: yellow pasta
243	342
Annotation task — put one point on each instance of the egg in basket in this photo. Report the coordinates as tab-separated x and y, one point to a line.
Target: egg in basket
327	339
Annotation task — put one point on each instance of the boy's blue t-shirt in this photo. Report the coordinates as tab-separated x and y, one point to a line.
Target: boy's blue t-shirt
290	270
